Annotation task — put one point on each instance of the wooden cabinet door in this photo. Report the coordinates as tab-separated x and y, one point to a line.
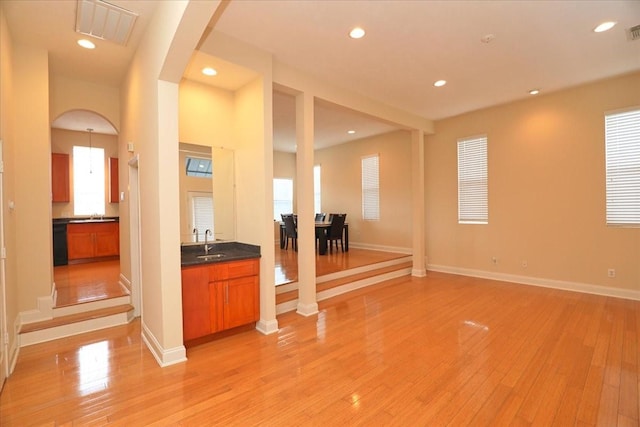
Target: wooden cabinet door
216	302
241	301
60	177
80	245
196	312
107	239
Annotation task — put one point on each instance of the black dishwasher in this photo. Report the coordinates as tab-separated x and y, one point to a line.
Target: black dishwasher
60	256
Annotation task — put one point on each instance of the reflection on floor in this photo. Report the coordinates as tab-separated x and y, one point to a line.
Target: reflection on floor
79	283
286	260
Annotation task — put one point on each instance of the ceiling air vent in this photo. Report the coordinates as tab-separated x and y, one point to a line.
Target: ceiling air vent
105	21
633	33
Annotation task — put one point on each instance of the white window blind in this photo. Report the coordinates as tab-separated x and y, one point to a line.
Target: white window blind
316	189
622	142
202	214
370	188
473	206
282	197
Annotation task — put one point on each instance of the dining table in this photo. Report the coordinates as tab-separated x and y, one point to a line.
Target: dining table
321	233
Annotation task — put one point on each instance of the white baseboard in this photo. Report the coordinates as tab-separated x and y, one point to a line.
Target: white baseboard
307	310
43	312
267	327
125	283
13	355
539	281
382	248
71	329
164	357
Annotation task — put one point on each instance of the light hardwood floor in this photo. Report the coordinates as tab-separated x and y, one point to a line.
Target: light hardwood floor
440	350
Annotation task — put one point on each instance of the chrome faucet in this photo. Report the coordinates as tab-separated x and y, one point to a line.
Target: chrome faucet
195	232
206	242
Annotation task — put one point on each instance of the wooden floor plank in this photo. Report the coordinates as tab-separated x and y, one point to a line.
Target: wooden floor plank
438	350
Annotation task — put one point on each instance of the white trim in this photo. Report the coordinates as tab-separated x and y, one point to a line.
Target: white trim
362	269
307	310
382	248
43	312
125	283
164	357
267	327
339	290
539	281
348	287
71	329
90	305
419	272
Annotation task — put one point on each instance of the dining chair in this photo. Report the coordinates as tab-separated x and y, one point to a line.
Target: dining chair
320	217
290	232
336	230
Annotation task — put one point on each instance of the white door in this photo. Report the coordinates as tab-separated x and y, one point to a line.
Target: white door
4	345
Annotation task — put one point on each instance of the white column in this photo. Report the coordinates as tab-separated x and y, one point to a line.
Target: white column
307	304
417	201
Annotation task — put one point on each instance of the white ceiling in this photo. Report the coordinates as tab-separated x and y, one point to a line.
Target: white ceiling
548	45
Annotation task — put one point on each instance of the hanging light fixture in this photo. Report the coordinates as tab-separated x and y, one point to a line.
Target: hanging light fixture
90	165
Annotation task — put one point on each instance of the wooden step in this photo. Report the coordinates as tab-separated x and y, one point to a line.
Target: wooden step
73	324
285	301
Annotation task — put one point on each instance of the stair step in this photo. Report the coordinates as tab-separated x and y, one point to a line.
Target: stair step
75	318
324	288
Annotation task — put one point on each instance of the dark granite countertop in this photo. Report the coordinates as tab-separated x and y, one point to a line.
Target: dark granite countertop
218	252
82	220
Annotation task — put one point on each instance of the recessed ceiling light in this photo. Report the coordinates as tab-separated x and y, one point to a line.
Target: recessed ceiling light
208	71
440	83
86	44
356	33
351	132
604	27
534	92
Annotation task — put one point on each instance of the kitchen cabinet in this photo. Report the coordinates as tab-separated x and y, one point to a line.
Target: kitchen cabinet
114	196
86	241
60	178
219	296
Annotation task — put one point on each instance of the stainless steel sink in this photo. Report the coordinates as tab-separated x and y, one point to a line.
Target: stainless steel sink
210	256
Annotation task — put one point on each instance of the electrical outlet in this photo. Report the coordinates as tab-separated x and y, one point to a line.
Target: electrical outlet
611	272
525	264
494	260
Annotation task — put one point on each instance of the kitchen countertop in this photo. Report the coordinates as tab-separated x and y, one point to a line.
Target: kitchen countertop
218	252
85	220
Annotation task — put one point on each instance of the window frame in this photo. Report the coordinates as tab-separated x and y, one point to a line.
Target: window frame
622	169
473	180
80	179
370	193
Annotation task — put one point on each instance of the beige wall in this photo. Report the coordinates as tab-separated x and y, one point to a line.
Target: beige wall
546	190
206	115
341	183
69	94
62	141
11	286
32	147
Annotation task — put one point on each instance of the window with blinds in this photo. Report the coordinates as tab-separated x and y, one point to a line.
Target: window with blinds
622	151
473	193
201	214
370	188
